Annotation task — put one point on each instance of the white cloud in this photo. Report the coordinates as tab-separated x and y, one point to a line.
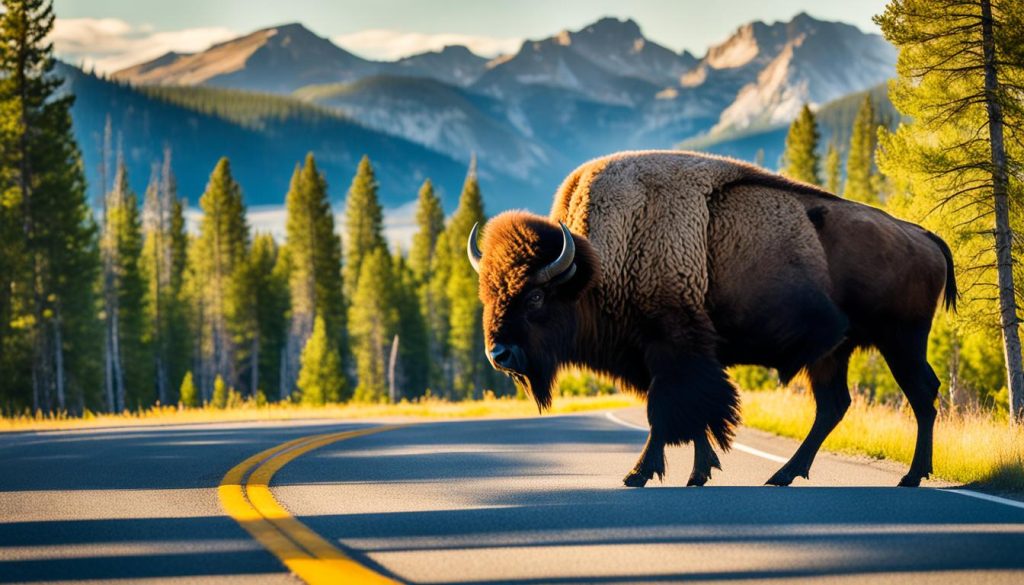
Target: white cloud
110	44
388	45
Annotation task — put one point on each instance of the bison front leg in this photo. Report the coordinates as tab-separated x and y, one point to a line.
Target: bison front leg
704	458
651	463
690	399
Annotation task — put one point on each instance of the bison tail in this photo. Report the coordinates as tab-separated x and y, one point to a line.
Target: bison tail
950	295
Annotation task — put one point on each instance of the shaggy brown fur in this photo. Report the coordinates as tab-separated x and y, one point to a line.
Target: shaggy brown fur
688	262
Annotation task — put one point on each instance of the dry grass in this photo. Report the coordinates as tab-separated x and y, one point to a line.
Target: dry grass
971	448
250	411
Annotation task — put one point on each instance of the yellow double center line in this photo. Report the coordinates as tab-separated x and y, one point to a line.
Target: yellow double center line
247	498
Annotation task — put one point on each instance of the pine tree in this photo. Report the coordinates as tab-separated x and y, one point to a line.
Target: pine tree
321	379
179	334
465	329
131	376
423	262
220	249
220	393
260	302
163	265
414	350
800	159
364	223
861	181
429	223
187	393
437	315
373	322
314	264
833	169
49	257
960	70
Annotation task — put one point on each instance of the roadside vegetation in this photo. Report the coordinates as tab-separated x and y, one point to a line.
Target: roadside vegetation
577	392
240	410
974	447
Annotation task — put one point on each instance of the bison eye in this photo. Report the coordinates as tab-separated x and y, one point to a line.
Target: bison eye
535	299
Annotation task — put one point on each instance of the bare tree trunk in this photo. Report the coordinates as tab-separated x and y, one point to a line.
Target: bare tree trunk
1003	233
299	332
392	365
108	362
282	375
35	391
255	363
119	393
58	358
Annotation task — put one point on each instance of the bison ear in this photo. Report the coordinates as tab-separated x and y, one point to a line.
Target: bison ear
585	272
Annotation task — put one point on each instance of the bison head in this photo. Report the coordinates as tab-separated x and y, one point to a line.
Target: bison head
533	273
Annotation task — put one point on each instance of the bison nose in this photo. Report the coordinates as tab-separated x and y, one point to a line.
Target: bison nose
504	356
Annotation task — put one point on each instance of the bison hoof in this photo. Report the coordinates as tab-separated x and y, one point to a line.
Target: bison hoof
635	479
910	480
782	478
698	479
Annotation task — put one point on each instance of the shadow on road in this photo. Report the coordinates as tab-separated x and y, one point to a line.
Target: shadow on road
540	492
538	495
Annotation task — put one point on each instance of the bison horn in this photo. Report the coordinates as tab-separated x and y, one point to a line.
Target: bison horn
473	250
562	263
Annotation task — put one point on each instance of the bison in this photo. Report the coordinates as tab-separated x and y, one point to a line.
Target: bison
661	268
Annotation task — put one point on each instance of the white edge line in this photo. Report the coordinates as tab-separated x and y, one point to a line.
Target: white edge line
738	446
986	497
759	453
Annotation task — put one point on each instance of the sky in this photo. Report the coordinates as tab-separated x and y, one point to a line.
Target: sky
112	34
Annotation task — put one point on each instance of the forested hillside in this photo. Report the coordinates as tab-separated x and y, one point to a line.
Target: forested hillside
835	120
264	135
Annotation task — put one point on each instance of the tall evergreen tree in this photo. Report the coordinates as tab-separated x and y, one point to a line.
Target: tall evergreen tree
364	222
125	311
321	379
861	180
800	159
163	265
429	224
465	333
314	260
220	250
414	349
260	301
373	320
437	315
423	262
833	169
960	72
49	255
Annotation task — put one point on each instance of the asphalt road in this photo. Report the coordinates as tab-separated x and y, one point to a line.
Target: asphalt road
492	501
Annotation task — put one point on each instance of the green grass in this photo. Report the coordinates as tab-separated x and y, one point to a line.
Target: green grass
425	408
973	448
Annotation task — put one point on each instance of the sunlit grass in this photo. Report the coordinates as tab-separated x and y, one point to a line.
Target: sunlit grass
251	411
972	448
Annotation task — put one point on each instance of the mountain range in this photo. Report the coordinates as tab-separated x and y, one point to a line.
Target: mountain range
529	117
